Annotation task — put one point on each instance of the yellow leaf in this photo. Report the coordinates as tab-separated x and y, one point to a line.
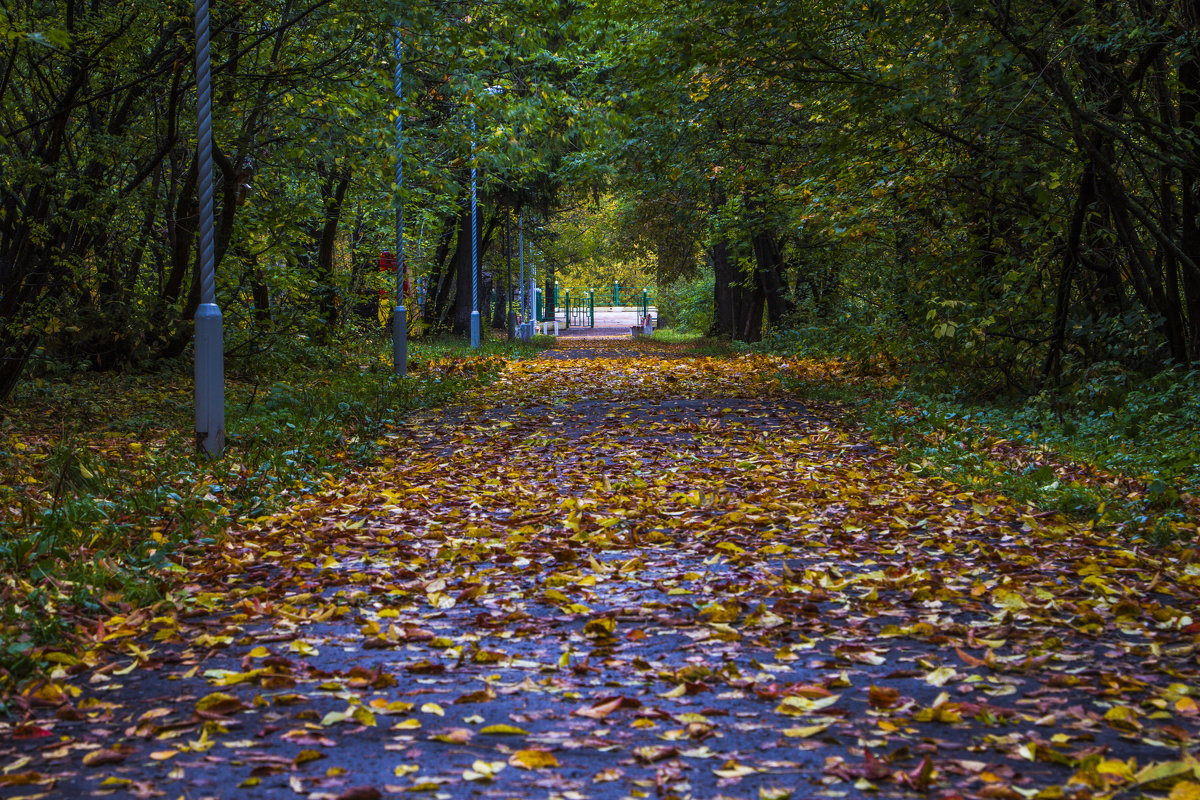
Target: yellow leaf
1115	770
941	676
732	769
303	648
483	770
795	705
600	627
533	759
18	764
1166	770
503	730
805	731
1122	718
1185	790
454	736
219	703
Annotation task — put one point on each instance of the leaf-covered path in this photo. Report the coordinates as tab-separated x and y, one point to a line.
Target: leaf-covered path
625	571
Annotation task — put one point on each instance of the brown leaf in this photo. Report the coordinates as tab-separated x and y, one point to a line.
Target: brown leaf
654	752
882	696
483	695
605	707
108	755
360	793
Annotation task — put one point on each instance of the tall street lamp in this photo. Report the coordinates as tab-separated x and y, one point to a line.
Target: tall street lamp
475	327
209	336
400	317
524	289
474	245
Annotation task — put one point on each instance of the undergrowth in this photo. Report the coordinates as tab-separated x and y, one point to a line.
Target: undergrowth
1114	447
102	486
697	344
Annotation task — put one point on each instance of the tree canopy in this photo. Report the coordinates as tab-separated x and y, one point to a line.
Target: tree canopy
1005	192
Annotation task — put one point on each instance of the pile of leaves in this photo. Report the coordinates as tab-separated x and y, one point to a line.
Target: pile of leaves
625	571
101	491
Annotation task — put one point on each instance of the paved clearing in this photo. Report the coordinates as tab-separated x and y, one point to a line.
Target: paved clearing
624	571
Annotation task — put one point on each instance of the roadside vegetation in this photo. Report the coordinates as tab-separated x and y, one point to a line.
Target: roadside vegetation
101	486
1119	447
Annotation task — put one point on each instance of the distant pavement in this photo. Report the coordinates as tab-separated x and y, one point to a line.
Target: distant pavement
609	323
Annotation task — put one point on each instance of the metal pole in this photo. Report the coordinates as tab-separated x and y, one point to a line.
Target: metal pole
209	341
509	315
474	247
400	317
524	289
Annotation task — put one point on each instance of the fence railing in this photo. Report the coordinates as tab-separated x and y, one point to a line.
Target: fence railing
578	306
621	294
581	311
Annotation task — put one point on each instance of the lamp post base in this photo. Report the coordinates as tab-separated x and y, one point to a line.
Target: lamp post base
400	340
210	381
474	329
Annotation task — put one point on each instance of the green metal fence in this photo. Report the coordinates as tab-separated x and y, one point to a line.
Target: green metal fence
580	308
579	305
623	294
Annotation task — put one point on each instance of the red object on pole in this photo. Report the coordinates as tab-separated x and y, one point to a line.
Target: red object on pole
387	263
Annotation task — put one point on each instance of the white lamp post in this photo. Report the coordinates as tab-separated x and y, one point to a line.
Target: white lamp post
209	336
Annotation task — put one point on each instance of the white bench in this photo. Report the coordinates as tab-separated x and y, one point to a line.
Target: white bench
546	326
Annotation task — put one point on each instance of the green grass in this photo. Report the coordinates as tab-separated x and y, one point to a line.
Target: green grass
674	336
1140	436
102	487
1138	431
696	343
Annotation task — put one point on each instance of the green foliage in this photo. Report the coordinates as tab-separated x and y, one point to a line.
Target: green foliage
591	244
687	304
980	182
98	235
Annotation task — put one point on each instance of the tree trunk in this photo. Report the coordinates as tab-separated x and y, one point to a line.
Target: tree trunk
769	257
334	185
1189	112
463	286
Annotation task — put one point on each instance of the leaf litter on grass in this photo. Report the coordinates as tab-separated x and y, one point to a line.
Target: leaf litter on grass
623	571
